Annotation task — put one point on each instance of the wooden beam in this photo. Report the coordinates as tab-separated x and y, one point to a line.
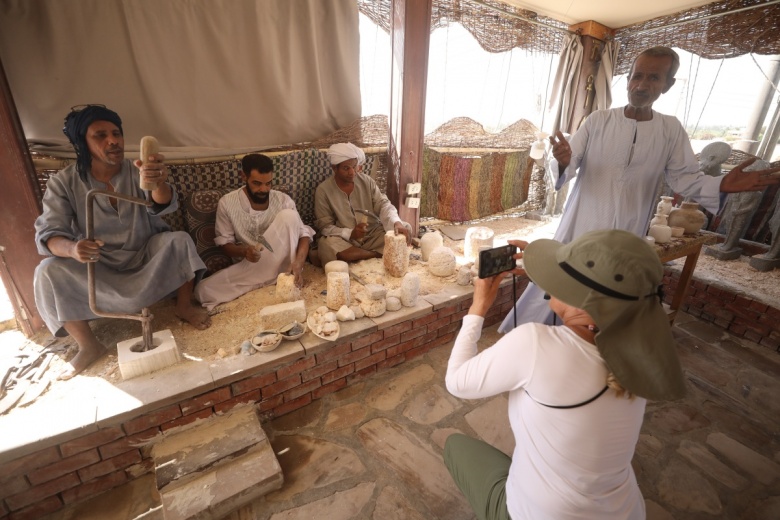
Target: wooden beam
20	199
410	35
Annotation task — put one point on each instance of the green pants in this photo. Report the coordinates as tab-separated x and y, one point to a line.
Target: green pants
480	471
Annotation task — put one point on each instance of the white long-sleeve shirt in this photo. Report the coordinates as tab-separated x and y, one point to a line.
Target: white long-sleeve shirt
568	463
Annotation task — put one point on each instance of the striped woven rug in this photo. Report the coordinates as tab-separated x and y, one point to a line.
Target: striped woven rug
464	187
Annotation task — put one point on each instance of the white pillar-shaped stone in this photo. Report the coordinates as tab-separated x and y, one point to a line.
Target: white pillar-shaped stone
429	242
336	266
338	290
410	289
396	254
477	237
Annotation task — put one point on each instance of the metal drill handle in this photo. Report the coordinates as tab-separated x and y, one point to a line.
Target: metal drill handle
145	317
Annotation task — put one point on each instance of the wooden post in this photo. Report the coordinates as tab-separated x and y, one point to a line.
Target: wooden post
410	34
20	199
593	36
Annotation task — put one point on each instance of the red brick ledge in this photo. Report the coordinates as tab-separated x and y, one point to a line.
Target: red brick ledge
43	481
739	314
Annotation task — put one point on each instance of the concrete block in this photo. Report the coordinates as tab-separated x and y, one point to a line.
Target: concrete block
133	362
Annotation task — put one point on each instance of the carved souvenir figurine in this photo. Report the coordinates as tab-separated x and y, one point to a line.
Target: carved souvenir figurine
771	259
665	206
713	156
740	208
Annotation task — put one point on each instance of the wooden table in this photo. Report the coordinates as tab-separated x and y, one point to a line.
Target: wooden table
688	246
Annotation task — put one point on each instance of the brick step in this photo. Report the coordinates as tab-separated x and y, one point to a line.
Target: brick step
215	467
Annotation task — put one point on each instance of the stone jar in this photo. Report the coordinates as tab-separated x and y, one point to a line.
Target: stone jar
665	206
661	234
687	216
659	220
429	242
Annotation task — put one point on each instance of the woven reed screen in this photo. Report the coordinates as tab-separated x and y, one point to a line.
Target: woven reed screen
493	31
726	36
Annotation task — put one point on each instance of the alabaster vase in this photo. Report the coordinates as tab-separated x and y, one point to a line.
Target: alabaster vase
687	216
665	205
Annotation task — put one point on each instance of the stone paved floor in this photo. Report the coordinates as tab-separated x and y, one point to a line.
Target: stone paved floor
373	451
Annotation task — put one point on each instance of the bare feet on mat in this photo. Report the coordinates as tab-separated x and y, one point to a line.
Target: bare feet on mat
195	316
82	360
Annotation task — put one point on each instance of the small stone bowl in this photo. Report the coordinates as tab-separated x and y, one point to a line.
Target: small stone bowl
293	330
266	340
677	231
650	240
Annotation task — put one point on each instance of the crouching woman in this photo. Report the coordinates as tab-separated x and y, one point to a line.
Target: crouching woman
577	391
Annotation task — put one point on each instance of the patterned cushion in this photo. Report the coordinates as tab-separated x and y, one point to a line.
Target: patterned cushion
200	210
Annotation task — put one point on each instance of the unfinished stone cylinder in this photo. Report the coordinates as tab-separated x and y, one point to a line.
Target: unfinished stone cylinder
429	242
396	254
286	290
410	289
336	266
477	237
442	261
338	290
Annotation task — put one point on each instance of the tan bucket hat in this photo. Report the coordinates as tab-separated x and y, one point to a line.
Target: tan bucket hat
615	277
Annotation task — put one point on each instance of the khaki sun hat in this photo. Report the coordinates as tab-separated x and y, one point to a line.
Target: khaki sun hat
614	276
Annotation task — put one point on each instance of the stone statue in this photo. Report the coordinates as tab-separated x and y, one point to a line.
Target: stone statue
740	208
713	156
771	259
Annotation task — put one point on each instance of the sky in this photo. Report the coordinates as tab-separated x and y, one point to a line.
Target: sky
497	89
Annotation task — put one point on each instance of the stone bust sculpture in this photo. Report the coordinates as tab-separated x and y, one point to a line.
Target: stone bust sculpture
713	156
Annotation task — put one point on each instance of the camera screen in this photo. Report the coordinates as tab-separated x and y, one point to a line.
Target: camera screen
496	260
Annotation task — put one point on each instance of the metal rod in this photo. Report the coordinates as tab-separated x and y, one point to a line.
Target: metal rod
145	317
527	20
716	15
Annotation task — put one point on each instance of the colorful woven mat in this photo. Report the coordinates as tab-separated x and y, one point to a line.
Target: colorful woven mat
459	188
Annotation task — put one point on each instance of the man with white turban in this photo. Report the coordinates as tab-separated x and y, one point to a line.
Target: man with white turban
351	214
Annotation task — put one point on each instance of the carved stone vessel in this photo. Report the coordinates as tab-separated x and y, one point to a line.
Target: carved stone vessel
687	216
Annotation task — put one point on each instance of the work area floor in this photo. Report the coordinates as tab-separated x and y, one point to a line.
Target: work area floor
374	449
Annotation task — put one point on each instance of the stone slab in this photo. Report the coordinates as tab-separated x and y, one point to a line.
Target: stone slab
216	493
389	394
311	463
431	405
759	467
182	453
415	463
491	423
342	504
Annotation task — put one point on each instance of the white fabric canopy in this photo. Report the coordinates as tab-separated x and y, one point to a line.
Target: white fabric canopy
204	77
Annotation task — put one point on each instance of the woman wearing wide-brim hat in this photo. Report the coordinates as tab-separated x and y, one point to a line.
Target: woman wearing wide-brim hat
577	392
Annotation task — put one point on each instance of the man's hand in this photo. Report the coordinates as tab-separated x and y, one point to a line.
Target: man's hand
561	150
296	269
86	251
400	229
739	180
252	253
153	169
359	232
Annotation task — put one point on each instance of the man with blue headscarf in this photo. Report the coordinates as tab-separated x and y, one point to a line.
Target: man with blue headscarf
138	259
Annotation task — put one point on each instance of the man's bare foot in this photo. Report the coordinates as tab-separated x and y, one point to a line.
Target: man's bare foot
195	316
80	362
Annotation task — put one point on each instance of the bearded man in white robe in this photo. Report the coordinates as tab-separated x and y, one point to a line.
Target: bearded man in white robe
249	220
